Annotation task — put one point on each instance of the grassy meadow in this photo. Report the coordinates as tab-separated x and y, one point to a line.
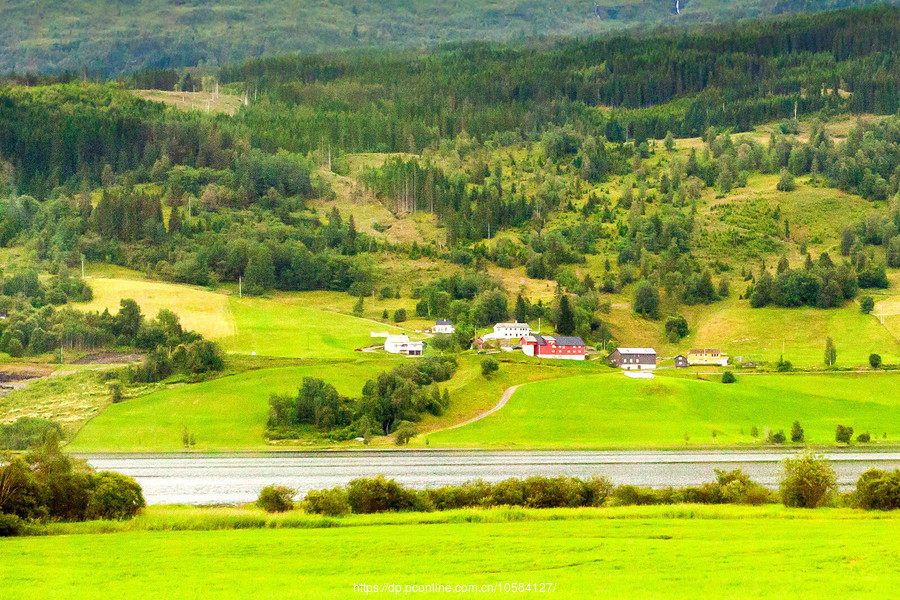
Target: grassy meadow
200	310
613	411
223	414
230	413
637	552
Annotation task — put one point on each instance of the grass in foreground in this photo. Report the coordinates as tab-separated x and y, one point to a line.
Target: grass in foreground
611	410
638	552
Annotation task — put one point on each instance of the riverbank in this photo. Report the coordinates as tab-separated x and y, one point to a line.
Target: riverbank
233	479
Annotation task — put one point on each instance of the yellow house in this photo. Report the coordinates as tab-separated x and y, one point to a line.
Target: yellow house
707	356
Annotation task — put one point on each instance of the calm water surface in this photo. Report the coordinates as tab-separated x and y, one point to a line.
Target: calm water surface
237	478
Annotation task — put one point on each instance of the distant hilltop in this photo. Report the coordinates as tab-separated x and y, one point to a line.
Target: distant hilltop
106	38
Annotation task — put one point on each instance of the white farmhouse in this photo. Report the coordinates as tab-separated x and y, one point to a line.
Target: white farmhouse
400	344
508	331
442	326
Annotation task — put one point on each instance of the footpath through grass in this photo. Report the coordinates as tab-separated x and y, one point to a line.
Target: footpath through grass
634	552
611	410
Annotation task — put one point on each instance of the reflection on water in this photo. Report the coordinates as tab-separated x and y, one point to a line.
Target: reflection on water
237	478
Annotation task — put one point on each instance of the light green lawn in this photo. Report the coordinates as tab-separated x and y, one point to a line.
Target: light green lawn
292	325
738	552
611	410
224	414
761	333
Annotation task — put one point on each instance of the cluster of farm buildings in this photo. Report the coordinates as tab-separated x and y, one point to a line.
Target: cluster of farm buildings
556	347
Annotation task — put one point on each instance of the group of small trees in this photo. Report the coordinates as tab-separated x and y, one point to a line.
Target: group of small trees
390	403
45	484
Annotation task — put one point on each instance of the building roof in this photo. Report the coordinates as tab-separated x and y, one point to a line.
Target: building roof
636	350
515	324
569	340
443	322
400	338
704	351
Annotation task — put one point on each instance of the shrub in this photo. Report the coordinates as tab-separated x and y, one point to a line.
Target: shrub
728	377
843	435
333	502
806	481
276	498
864	438
405	432
776	438
878	490
736	487
399	315
867	304
114	496
489	365
797	434
375	495
629	495
646	300
875	360
115	392
786	182
27	432
10	525
677	326
553	492
783	366
596	491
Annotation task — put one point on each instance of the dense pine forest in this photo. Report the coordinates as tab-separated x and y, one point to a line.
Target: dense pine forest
106	38
542	156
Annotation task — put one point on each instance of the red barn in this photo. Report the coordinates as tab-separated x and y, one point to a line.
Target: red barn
569	347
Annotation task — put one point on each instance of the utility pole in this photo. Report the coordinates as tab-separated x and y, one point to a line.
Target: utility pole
82	266
240	286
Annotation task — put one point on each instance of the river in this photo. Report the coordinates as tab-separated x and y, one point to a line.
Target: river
206	479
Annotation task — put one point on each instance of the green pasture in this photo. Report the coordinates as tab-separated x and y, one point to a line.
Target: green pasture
301	325
611	410
224	414
641	552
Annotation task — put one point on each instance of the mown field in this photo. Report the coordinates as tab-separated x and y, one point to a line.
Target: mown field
610	411
289	325
224	414
638	552
230	413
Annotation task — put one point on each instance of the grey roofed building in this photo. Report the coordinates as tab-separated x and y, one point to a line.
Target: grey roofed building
633	358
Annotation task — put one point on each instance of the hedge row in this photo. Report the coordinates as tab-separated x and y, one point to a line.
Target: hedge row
375	495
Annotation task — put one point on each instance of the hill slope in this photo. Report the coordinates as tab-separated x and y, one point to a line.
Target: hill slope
114	37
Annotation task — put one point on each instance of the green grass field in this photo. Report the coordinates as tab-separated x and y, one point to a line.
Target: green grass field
290	325
610	410
299	326
230	413
224	414
642	552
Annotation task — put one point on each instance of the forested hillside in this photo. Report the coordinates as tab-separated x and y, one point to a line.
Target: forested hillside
652	170
107	38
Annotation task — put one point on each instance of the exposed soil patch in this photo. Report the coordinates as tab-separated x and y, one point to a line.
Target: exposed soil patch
14	376
107	358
